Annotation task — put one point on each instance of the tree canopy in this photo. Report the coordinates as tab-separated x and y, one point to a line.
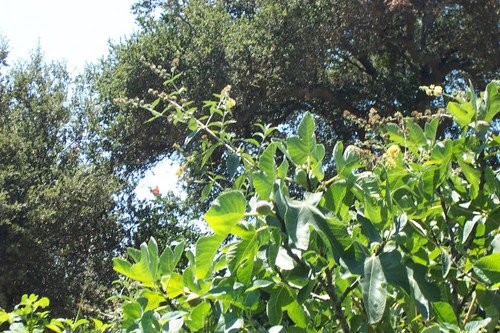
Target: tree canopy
285	57
59	224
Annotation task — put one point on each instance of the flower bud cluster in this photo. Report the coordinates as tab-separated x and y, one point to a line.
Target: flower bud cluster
391	156
432	90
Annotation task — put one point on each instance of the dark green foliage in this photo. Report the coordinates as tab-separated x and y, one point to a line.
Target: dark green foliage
59	227
167	219
284	57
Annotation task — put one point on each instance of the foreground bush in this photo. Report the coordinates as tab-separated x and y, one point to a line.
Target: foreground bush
409	245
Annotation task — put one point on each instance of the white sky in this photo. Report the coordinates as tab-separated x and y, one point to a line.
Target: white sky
77	31
73	30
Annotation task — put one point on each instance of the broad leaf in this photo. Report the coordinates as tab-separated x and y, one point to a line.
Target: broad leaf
444	313
488	269
225	212
374	293
206	248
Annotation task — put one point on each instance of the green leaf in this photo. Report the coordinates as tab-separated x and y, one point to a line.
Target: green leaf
131	312
121	266
472	176
462	113
338	156
306	126
197	317
207	154
258	284
266	161
492	100
374	293
475	326
416	135
263	184
394	271
283	169
488	269
226	211
369	230
396	134
173	285
444	313
423	292
244	272
432	329
206	248
146	269
298	150
297	314
446	263
430	130
206	191
300	216
243	250
179	249
154	299
279	299
232	163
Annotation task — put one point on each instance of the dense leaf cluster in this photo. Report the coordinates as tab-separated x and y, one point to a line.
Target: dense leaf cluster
284	57
410	245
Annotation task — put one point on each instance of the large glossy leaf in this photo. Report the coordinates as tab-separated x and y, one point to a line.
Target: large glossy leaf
122	266
263	180
279	299
301	216
146	268
206	248
240	251
444	313
225	212
304	148
396	134
462	113
394	270
492	101
473	176
196	320
374	292
173	285
488	269
306	126
266	162
297	314
430	130
416	135
422	291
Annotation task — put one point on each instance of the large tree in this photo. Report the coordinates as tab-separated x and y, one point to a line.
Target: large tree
59	222
285	57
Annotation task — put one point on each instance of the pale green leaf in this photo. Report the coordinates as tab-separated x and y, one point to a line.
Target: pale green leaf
374	293
444	313
206	248
225	212
488	269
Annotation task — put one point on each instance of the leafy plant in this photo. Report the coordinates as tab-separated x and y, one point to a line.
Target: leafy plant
410	245
26	317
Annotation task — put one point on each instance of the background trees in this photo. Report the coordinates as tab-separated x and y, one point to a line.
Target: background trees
65	211
284	57
59	223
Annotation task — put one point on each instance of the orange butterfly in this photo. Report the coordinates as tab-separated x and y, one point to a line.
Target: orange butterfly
156	191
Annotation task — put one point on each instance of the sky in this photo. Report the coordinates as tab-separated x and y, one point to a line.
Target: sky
77	32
